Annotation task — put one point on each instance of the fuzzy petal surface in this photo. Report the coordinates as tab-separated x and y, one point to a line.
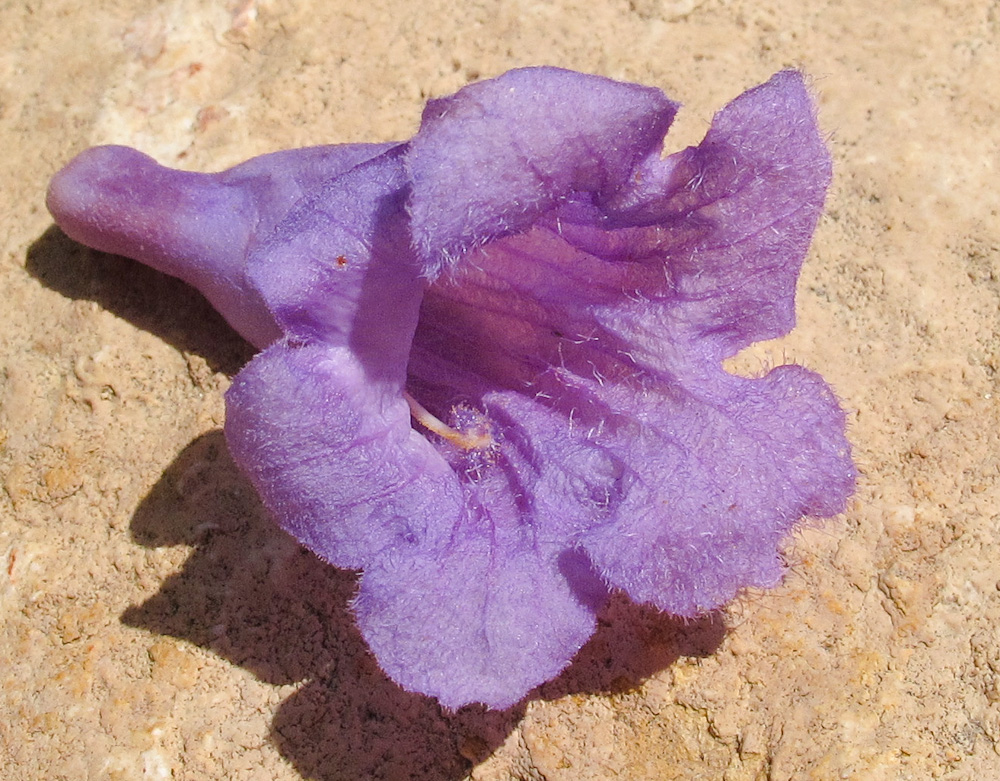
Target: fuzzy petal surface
614	322
491	158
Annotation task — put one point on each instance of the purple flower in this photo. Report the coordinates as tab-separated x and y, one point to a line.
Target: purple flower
491	370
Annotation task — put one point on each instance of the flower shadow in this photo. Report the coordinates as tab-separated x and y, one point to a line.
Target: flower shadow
250	594
155	302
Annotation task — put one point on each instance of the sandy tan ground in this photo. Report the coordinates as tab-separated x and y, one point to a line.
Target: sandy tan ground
154	624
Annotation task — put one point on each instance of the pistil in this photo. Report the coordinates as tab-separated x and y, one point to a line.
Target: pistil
466	440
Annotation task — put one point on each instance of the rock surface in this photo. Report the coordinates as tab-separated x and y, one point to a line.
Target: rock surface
154	624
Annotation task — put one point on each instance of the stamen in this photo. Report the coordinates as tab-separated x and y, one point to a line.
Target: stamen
467	440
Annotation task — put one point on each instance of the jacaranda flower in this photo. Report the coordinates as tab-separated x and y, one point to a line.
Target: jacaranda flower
491	370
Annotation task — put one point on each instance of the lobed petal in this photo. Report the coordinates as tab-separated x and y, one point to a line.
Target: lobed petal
486	620
718	477
335	459
738	211
491	158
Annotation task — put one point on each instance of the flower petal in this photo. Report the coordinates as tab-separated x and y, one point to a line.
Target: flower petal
334	457
740	210
492	157
717	478
486	621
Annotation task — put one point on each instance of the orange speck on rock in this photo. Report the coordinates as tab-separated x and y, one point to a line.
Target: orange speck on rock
208	116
